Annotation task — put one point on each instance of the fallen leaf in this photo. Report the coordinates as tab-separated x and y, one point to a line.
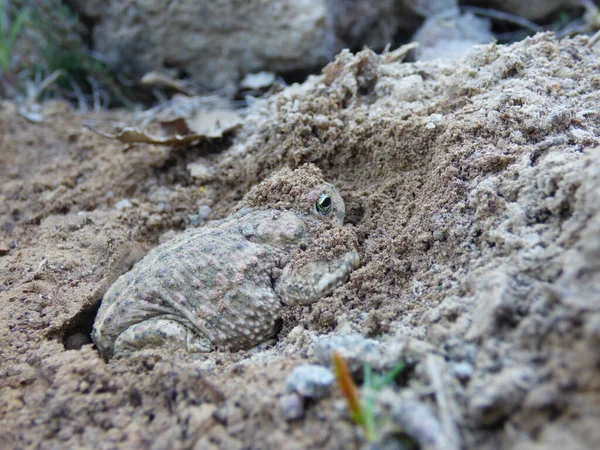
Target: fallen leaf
132	135
260	80
180	121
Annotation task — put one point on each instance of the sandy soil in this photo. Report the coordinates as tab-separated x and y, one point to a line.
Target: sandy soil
474	191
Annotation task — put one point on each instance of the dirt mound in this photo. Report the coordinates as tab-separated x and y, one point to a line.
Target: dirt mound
473	189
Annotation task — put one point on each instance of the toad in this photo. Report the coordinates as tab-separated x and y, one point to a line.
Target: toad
224	285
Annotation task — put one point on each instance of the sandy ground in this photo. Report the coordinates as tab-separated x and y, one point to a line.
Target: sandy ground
473	187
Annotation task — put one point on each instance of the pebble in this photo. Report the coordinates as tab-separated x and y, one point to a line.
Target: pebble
292	406
419	422
463	370
123	204
310	380
204	213
355	349
200	171
77	340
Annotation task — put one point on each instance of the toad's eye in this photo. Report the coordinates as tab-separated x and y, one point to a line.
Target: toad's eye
323	204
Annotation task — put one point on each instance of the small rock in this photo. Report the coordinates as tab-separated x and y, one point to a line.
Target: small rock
77	340
322	122
123	204
419	422
450	35
409	88
353	348
292	406
204	212
195	220
154	220
463	371
310	380
199	171
161	196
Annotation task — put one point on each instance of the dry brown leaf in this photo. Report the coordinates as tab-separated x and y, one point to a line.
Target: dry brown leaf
215	123
155	78
131	135
180	121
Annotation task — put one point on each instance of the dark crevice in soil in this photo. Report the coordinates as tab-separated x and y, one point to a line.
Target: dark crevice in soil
299	75
77	332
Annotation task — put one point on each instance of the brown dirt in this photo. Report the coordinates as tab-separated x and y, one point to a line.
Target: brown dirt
473	188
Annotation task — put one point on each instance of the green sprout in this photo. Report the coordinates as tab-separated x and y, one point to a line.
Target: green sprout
9	31
362	409
54	60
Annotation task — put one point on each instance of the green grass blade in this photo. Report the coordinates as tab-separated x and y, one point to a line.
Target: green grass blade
3	26
16	27
9	36
367	376
368	415
391	375
3	20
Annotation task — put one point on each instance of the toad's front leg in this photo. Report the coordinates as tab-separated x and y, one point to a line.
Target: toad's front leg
305	284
